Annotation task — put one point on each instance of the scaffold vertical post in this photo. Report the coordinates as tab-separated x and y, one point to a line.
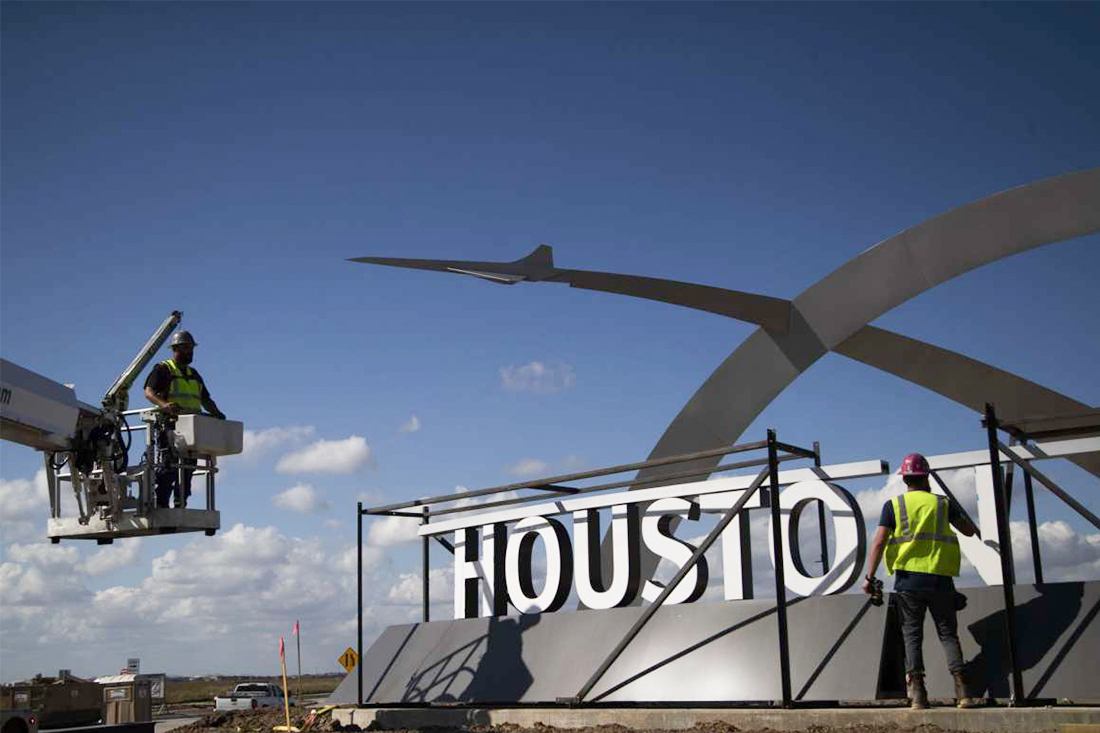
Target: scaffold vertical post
425	590
1033	528
359	599
780	583
822	535
1004	541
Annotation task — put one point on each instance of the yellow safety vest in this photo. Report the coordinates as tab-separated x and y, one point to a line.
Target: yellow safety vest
922	541
186	388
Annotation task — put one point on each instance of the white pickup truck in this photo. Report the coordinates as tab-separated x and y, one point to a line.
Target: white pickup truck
251	696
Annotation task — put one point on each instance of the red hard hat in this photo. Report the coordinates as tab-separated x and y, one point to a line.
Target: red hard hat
914	464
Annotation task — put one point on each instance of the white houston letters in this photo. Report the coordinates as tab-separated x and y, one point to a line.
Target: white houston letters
657	535
594	591
518	565
848	530
495	551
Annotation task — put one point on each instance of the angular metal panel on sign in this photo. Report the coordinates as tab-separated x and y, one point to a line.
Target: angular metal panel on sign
707	652
1058	642
727	652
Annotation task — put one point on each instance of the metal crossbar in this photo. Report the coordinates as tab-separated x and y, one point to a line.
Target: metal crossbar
1004	538
671	585
613	485
554	486
954	500
639	465
1054	488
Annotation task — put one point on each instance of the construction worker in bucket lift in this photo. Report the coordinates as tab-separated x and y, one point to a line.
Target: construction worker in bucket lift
177	389
915	533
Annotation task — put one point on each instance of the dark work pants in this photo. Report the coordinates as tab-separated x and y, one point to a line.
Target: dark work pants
941	603
167	478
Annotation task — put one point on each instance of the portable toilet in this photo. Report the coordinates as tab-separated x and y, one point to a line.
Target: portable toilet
127	700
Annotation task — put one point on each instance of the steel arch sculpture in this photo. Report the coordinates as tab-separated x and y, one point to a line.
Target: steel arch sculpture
834	313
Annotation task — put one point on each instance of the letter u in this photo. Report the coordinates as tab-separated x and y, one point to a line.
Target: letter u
593	590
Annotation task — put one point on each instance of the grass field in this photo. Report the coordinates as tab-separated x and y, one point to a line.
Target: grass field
199	691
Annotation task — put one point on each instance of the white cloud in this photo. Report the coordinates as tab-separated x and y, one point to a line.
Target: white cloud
1065	553
260	442
40	573
44	555
871	500
112	557
327	456
301	498
213	604
960	482
529	467
410	426
35	588
23	499
409	591
386	531
538	377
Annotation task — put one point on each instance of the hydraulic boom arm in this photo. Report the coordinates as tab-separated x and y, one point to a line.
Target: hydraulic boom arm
118	396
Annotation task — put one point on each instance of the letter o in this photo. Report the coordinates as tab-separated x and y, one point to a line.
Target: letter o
559	565
846	560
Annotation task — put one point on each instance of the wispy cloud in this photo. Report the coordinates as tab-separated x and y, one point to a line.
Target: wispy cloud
23	498
260	442
327	456
387	531
23	507
410	426
538	377
112	557
301	498
529	467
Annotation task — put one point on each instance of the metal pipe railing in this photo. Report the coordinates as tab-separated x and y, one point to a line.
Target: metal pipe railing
552	485
780	582
605	487
671	586
1053	487
1004	538
637	466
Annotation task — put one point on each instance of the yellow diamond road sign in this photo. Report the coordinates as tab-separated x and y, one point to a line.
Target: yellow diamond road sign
348	659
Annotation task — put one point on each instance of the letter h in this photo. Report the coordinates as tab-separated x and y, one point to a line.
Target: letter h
480	562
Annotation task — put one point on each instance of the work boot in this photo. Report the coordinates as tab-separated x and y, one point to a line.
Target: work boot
918	696
962	697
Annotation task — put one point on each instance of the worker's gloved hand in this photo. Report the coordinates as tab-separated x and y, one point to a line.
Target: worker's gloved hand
171	409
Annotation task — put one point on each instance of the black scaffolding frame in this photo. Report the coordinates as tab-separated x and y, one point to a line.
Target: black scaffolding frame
1023	433
776	453
1024	430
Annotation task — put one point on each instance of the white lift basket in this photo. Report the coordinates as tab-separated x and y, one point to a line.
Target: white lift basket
129	507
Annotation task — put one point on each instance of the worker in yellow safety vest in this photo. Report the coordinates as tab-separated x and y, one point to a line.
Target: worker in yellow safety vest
914	532
177	389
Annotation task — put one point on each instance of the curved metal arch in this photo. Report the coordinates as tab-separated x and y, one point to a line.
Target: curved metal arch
838	307
833	313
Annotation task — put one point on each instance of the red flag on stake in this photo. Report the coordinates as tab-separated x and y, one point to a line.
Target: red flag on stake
282	648
295	632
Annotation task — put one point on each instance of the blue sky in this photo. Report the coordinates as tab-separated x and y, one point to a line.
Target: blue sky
226	159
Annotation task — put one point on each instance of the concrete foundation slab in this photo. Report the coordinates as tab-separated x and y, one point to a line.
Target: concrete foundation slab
1007	720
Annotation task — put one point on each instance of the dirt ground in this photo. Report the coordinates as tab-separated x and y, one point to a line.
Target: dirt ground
264	721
